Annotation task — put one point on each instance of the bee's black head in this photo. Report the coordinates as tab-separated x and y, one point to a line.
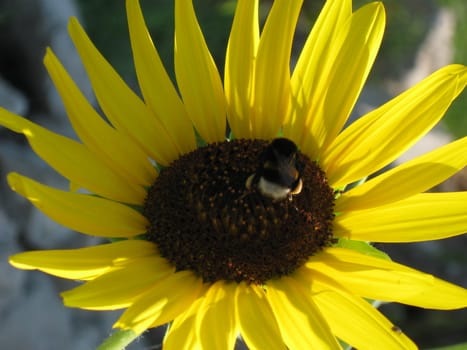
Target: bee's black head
283	147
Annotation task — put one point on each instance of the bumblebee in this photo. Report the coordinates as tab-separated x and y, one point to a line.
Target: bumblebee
279	172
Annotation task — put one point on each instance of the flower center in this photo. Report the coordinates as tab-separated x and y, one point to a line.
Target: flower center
206	216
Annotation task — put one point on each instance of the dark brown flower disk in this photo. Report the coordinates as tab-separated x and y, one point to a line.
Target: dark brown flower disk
204	219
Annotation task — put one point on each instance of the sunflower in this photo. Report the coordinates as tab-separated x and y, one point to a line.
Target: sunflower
258	234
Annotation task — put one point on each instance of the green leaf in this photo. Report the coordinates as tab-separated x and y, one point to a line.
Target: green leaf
462	346
362	247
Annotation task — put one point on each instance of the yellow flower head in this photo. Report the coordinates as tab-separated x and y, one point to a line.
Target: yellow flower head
251	234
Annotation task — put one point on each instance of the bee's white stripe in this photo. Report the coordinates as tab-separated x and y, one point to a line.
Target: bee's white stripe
272	190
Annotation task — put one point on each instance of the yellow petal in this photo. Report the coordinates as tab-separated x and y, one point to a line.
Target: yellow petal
336	94
381	279
81	212
365	327
300	321
197	76
412	177
162	303
83	263
422	217
379	137
74	161
121	105
271	85
155	84
181	335
313	68
258	326
116	150
239	68
119	288
351	68
217	304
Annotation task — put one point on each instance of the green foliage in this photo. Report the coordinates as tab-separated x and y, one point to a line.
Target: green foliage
462	346
105	22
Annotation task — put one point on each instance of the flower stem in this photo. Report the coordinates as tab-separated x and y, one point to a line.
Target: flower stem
118	340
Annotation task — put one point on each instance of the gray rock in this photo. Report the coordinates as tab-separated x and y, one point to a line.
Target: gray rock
26	29
11	280
436	51
36	319
12	99
43	233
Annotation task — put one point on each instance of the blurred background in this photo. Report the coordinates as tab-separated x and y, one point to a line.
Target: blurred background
421	36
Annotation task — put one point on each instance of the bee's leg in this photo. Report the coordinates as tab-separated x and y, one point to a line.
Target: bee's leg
297	188
249	181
